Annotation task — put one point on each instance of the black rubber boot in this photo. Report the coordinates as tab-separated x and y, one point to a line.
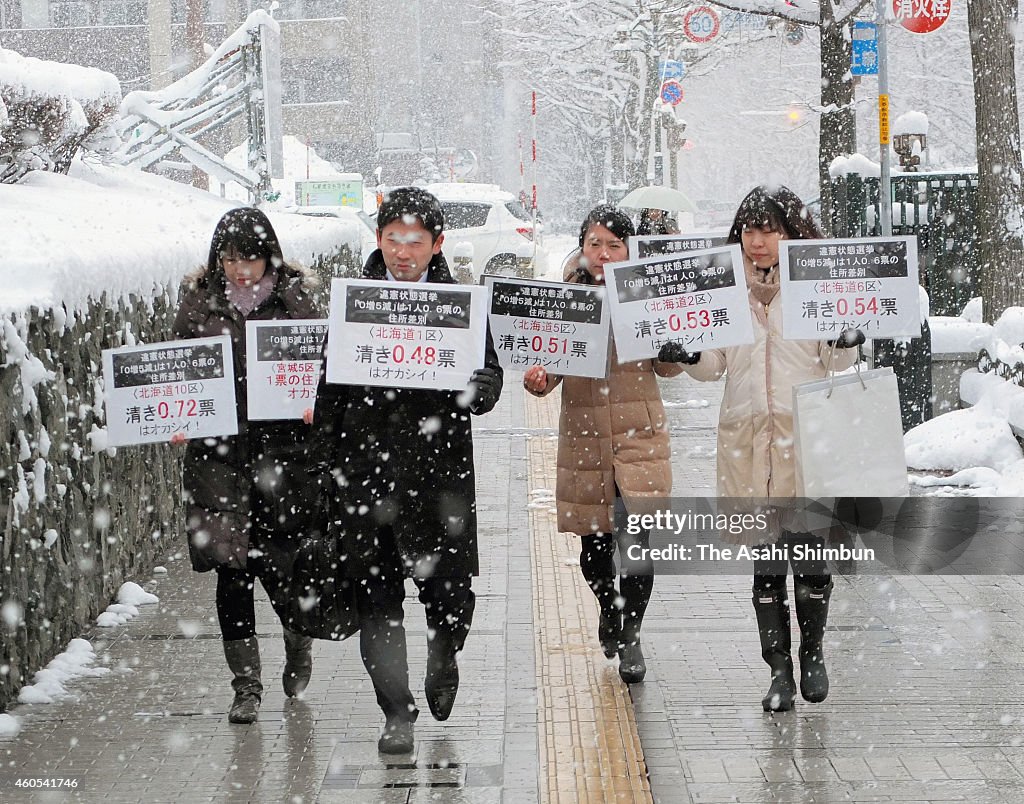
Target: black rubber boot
298	663
812	614
773	628
243	657
597	562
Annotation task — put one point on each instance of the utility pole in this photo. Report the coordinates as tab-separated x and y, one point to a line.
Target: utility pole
884	188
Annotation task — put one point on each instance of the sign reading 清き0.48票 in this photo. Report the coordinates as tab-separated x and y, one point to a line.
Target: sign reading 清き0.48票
405	334
156	391
698	299
283	361
558	325
867	283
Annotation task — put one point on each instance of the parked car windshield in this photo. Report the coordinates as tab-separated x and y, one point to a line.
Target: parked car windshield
463	215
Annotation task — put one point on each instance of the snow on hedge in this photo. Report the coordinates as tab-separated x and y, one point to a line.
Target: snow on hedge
117	230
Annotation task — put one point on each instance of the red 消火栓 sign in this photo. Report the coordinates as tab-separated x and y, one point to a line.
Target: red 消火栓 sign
921	16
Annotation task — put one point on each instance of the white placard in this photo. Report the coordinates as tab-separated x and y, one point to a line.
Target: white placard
159	390
561	326
866	283
643	246
698	299
406	334
282	363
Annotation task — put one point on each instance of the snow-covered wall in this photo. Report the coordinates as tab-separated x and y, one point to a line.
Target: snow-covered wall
93	260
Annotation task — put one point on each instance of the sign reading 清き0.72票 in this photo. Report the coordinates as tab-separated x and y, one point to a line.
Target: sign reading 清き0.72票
156	391
867	283
558	325
405	334
698	299
283	366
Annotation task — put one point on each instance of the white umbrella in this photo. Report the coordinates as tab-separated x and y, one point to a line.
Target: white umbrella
656	197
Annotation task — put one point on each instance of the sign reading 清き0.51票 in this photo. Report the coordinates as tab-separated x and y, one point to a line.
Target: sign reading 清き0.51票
867	283
156	391
698	299
283	366
405	334
558	325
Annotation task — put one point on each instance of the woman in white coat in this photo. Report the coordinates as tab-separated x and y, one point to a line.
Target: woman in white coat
755	433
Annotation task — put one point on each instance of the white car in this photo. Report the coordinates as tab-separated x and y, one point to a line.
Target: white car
367	231
493	223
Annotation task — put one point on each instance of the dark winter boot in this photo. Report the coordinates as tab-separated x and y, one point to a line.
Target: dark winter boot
243	657
398	736
441	684
298	663
812	614
773	628
636	594
597	561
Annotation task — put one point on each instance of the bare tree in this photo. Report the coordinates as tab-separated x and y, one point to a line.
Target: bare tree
997	121
837	132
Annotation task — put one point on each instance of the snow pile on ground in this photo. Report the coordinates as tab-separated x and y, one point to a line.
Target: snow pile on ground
977	443
120	231
49	684
9	726
129	597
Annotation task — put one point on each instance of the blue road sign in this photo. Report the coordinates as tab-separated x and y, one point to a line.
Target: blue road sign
864	51
671	69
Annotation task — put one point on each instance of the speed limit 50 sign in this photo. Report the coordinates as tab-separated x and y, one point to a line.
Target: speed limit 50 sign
701	24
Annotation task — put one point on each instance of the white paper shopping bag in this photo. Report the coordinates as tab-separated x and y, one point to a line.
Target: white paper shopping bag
849	436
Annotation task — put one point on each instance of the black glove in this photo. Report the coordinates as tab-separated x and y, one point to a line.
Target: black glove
673	352
848	338
486	386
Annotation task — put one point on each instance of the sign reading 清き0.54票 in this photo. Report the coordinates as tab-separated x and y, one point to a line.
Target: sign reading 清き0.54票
405	334
156	391
867	283
283	366
558	325
698	299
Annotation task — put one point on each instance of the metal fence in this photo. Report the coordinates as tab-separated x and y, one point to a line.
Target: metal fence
939	208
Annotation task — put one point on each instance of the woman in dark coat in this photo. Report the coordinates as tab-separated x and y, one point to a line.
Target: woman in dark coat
252	488
397	468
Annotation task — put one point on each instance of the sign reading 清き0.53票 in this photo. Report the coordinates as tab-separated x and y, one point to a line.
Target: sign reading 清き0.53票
558	325
698	299
642	246
867	283
283	366
405	334
156	391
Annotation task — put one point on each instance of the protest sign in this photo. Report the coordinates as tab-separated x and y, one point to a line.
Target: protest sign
866	283
282	366
558	325
405	334
643	246
155	391
698	299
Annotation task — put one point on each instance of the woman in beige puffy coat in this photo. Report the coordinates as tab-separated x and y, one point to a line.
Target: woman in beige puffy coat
755	434
613	447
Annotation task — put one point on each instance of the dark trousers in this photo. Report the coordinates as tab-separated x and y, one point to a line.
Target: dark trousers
597	561
770	574
449	604
236	608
